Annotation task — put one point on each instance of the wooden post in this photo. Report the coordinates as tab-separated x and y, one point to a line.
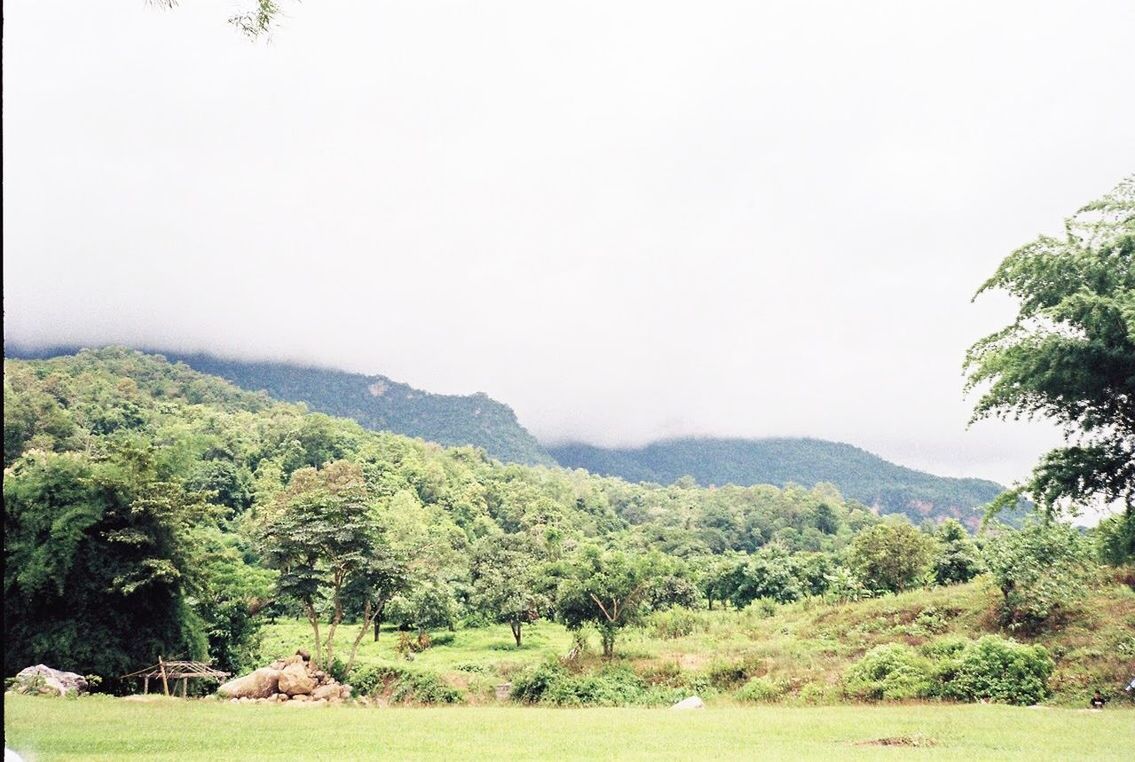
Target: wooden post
165	682
185	687
146	684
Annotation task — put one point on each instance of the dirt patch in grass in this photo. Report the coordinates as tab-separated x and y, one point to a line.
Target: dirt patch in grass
914	741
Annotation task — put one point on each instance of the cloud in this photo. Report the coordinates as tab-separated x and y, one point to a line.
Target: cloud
626	219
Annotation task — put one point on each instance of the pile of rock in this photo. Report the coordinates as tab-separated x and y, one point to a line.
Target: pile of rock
294	679
44	681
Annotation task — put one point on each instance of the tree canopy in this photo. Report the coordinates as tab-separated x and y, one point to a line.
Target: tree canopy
1069	356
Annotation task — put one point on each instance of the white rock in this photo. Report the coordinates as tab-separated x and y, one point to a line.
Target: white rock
693	702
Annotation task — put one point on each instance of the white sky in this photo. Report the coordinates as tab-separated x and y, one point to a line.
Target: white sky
625	219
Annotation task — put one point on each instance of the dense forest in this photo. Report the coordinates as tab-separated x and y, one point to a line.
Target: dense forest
859	474
381	404
151	509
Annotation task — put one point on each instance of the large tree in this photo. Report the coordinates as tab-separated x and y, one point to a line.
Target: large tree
1069	356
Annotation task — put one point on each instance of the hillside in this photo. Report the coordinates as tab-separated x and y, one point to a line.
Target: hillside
857	473
376	402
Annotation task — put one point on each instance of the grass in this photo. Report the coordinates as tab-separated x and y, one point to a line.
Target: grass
103	728
803	647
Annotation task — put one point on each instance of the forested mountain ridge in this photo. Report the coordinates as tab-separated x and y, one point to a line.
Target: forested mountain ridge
141	498
857	473
376	402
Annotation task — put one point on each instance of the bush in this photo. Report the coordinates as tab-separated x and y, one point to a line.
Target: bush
675	623
999	670
550	683
761	690
424	688
890	672
406	687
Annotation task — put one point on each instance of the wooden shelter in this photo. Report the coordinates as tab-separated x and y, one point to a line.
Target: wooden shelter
176	670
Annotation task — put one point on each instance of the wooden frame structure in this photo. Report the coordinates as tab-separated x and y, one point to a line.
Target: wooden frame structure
176	670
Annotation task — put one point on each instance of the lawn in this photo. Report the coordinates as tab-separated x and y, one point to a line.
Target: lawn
103	728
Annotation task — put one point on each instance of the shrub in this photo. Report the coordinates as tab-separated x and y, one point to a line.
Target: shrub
675	623
761	689
550	683
424	688
999	670
406	686
890	672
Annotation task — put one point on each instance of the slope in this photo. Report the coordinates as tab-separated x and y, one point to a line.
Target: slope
857	473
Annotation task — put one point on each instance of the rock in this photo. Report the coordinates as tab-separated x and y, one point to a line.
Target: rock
303	654
302	698
504	690
693	702
51	682
325	692
345	691
295	681
278	664
259	684
296	659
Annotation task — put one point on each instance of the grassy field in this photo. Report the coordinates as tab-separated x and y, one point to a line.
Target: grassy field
101	728
803	647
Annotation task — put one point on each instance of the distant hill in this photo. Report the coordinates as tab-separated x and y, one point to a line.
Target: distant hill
857	473
376	402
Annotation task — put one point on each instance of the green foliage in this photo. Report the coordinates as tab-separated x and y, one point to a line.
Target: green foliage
891	556
993	669
858	474
761	690
958	559
1041	571
891	672
99	563
403	686
550	683
1069	356
608	589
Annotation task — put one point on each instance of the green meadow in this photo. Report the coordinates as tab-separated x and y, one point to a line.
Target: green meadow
103	728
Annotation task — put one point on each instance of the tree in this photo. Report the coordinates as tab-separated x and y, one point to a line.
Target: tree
607	589
892	556
256	21
99	567
1040	570
320	535
958	559
506	584
1069	356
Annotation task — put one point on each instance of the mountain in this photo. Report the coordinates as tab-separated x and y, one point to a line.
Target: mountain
376	402
857	473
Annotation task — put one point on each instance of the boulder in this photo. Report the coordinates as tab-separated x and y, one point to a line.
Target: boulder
693	702
51	682
326	692
295	681
259	684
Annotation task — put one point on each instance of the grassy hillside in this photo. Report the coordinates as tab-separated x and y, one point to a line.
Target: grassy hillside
800	652
857	473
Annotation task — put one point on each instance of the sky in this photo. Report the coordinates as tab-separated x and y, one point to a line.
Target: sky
627	220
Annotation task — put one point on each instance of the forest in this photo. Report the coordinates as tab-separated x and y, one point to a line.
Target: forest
151	509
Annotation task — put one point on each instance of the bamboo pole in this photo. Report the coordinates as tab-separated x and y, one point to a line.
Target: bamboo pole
165	682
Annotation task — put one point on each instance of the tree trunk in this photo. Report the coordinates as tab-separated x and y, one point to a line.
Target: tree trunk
516	631
378	609
313	619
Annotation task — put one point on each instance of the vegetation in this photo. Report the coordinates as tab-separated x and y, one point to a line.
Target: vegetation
1069	356
92	730
179	515
857	473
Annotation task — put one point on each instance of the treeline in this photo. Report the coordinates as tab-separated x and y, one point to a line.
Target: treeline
150	509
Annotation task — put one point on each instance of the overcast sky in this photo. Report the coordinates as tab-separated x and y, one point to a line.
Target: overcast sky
627	220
